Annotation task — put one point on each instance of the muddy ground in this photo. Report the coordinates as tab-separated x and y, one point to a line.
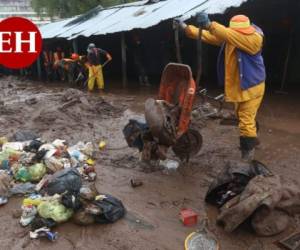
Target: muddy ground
152	219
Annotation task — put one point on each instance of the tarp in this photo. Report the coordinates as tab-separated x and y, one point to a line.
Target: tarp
137	15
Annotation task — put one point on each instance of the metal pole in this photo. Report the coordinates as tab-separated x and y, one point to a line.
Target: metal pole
124	60
199	54
75	45
177	44
286	65
39	68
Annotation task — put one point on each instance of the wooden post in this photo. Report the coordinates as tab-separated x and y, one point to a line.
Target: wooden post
75	45
39	68
124	60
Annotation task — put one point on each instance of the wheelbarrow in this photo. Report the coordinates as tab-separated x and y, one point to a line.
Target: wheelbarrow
169	116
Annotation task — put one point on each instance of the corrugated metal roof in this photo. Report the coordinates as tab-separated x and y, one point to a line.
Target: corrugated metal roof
137	15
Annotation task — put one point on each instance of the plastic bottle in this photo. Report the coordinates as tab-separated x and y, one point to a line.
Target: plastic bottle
170	166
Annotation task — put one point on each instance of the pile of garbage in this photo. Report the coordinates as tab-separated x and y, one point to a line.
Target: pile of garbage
57	182
249	192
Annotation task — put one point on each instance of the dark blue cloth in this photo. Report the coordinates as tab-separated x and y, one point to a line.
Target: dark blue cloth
251	67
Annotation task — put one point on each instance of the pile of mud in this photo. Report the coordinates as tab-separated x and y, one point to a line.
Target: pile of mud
53	111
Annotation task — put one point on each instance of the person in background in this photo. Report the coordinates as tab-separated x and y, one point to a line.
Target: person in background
240	68
58	55
139	59
48	63
95	61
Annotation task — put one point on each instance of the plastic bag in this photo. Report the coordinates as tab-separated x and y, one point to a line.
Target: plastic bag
59	143
33	146
77	155
28	215
112	209
50	150
88	149
81	151
4	183
23	174
88	192
133	133
37	171
8	157
13	145
39	222
4	160
22	188
24	136
53	164
3	140
27	158
71	200
64	180
55	211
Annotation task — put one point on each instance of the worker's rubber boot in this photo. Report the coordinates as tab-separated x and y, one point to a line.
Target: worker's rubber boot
247	147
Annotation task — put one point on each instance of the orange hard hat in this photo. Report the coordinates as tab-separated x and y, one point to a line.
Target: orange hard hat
241	23
75	56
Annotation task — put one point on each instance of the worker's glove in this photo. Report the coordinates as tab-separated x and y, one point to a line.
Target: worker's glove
203	20
179	23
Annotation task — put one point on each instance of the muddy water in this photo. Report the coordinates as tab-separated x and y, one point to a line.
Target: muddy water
152	219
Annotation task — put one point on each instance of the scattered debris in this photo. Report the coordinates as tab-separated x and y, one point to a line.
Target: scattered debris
136	183
43	232
102	145
31	101
251	192
61	172
170	166
233	180
292	242
188	217
202	239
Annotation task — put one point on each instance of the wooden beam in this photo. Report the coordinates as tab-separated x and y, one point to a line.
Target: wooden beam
124	60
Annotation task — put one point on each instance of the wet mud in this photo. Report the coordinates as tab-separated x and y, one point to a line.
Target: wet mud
152	221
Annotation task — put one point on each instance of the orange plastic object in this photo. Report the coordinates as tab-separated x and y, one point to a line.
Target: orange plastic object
177	86
188	217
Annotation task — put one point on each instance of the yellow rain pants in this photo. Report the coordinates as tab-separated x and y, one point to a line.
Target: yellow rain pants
246	113
95	74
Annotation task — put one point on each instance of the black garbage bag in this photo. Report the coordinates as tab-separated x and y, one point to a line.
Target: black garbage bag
24	135
112	209
39	155
134	132
33	146
71	200
39	222
233	180
64	180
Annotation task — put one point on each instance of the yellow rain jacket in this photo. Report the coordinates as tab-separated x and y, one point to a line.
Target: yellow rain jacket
247	101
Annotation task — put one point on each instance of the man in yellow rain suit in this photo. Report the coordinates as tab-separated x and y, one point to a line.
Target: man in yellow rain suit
95	67
240	68
58	55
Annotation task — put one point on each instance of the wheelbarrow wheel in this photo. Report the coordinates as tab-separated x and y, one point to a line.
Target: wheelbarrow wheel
188	145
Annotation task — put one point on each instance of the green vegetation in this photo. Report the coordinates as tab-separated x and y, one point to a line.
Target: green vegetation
68	8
